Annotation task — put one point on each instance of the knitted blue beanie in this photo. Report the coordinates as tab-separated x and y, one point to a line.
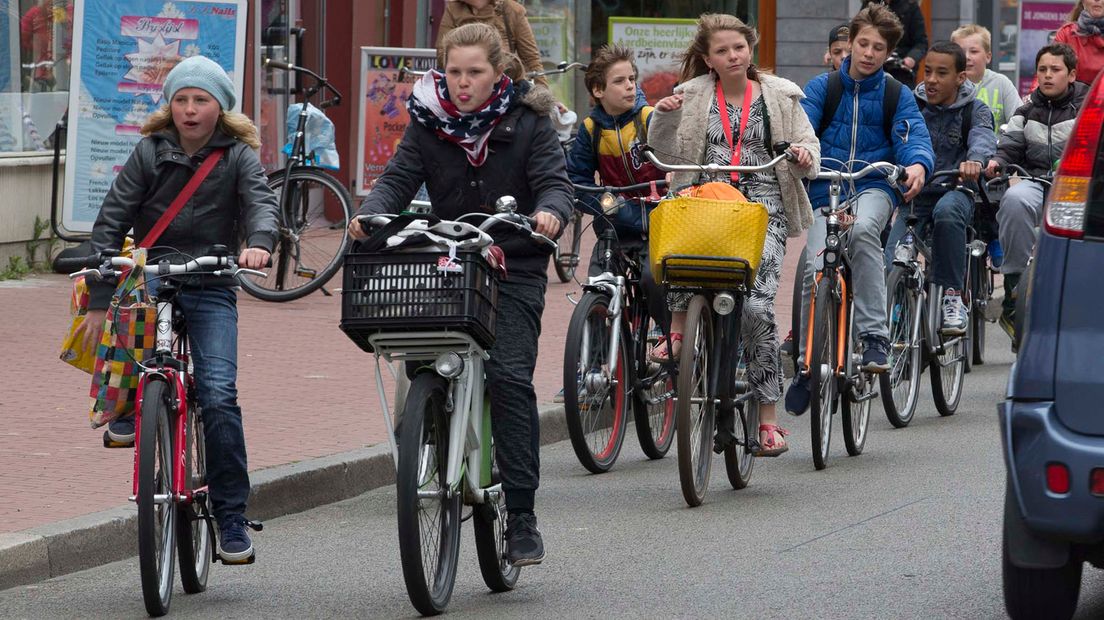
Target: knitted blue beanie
201	72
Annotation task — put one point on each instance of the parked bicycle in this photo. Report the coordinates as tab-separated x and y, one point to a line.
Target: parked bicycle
838	382
916	337
606	368
170	485
710	390
315	209
404	307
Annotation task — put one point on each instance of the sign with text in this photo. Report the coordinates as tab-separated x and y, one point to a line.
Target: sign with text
1038	23
382	114
122	52
659	44
551	36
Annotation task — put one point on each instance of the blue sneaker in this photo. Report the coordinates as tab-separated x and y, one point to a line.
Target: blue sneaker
235	546
121	430
797	395
996	254
875	357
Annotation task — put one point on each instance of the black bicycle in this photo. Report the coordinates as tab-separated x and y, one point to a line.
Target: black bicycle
315	209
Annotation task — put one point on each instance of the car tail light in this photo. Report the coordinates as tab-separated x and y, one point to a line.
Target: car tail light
1096	482
1068	199
1057	478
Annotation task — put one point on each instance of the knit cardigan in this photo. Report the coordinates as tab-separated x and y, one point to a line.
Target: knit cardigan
681	134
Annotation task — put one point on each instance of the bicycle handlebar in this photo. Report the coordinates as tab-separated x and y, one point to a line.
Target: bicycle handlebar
563	67
101	265
614	189
323	83
715	168
1021	172
483	238
892	172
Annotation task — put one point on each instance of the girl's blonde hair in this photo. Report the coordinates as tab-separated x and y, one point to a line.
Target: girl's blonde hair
232	124
693	61
478	34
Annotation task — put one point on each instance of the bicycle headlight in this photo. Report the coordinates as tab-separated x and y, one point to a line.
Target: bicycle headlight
724	303
449	365
832	242
609	203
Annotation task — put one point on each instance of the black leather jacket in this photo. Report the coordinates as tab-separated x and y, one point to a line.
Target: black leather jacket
525	161
233	203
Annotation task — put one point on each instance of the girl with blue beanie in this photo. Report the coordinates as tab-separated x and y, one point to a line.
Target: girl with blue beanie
233	203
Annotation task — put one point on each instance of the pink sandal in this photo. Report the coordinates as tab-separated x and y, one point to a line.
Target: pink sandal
772	447
659	359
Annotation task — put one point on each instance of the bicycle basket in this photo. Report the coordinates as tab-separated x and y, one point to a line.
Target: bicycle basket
693	241
407	291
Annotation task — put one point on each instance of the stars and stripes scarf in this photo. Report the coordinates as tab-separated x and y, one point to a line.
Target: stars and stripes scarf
429	104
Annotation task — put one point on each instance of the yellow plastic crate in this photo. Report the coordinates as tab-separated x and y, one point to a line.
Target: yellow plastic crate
706	228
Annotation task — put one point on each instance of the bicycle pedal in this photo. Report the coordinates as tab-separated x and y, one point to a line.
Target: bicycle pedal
256	526
110	443
249	560
306	273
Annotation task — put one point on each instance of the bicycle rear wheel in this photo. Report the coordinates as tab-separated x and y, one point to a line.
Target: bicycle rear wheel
428	511
823	384
980	294
739	461
856	413
156	510
900	387
193	536
313	235
489	523
596	403
796	317
567	253
655	423
695	408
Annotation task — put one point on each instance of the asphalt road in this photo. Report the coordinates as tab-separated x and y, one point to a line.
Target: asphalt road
909	529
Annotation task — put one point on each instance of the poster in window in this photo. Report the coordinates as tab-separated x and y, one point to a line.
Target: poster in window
1039	21
658	44
122	52
382	113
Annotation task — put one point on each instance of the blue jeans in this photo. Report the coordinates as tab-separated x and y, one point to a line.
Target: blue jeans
947	219
211	317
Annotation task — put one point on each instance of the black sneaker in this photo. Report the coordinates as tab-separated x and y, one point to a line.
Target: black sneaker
235	546
797	395
524	546
121	430
875	358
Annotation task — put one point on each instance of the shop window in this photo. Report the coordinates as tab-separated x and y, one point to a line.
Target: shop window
602	10
37	38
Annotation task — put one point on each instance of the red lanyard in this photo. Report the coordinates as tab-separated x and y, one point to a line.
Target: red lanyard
723	107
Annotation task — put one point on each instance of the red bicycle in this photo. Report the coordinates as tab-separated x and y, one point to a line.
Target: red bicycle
170	486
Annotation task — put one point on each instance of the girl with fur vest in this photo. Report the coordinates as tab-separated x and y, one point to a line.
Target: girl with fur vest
719	84
475	136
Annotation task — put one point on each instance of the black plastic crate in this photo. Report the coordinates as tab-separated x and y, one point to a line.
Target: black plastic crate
408	291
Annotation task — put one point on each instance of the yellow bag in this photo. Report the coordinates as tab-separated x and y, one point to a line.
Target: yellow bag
73	351
707	228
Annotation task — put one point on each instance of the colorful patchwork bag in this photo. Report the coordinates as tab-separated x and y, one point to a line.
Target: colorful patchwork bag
128	339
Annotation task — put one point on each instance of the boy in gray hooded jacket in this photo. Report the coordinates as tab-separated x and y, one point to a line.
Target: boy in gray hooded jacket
961	129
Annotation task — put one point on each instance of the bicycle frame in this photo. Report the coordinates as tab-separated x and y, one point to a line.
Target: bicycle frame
469	419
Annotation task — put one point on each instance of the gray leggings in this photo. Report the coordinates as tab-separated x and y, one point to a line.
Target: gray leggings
1018	217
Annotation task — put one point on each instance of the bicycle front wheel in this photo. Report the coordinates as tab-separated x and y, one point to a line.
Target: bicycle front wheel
739	461
900	387
823	384
489	523
948	373
980	294
596	400
313	235
855	408
655	422
695	410
193	537
428	511
567	253
156	510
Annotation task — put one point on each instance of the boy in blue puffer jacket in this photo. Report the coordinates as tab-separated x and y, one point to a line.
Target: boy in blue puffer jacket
857	130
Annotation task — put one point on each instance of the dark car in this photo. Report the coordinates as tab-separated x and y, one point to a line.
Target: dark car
1052	421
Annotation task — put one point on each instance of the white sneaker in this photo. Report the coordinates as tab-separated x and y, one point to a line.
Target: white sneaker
955	314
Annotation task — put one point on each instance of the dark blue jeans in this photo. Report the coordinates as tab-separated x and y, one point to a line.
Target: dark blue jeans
946	220
211	316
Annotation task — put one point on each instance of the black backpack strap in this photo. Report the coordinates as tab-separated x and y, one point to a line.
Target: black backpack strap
832	97
641	128
890	100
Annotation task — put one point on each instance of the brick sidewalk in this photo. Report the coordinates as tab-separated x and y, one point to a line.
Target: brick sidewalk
306	391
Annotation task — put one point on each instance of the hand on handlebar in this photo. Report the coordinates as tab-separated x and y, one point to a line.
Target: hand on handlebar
546	224
356	229
804	158
914	180
254	258
992	169
970	170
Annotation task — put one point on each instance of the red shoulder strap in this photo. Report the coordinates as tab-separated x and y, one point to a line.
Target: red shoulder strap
185	194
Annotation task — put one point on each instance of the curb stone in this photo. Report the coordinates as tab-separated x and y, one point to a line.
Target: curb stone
39	553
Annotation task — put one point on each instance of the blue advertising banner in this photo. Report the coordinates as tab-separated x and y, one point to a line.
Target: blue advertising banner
9	46
122	52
